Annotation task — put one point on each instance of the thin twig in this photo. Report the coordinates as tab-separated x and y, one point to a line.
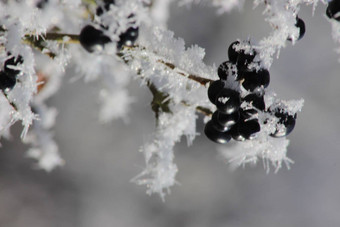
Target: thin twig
59	37
203	81
204	110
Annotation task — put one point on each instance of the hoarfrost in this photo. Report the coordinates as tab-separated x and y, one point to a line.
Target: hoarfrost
159	174
158	60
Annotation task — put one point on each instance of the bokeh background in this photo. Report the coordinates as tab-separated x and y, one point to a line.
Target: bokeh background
94	188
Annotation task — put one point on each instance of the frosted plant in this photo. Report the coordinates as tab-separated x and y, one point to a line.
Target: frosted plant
114	41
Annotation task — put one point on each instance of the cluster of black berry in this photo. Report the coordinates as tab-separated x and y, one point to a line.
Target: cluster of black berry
8	76
93	39
333	10
237	116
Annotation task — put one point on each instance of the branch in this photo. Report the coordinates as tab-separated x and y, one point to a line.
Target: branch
160	100
203	81
59	37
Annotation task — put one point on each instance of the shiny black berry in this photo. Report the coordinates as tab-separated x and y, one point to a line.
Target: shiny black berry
286	124
244	59
236	135
6	80
253	79
239	57
302	28
13	61
224	69
224	122
228	101
246	130
333	10
232	53
128	37
215	88
93	39
247	114
215	135
216	124
257	101
301	25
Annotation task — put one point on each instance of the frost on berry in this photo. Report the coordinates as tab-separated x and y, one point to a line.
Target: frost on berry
282	16
272	151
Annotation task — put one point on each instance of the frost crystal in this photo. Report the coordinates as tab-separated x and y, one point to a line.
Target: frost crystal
160	171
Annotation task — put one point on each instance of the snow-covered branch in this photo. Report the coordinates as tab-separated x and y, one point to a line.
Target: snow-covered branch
114	41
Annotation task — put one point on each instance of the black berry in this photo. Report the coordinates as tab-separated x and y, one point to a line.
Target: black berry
215	88
224	122
232	53
246	130
333	10
215	135
216	123
236	135
302	28
13	61
301	25
6	81
256	100
247	114
228	101
93	39
264	76
240	58
224	69
285	120
244	59
128	37
253	79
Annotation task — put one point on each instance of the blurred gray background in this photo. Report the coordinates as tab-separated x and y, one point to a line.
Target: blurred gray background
94	189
